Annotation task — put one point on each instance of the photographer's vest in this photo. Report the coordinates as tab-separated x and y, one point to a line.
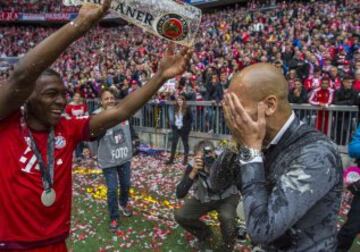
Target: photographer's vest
115	147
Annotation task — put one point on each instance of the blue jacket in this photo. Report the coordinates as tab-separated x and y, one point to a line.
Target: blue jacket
354	145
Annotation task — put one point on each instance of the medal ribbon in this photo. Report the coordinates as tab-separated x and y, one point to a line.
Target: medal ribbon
47	172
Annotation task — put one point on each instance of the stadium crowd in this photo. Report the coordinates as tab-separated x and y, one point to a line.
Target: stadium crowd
36	6
316	45
31	6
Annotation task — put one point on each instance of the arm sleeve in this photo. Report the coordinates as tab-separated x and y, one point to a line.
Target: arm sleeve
304	96
308	178
290	98
353	99
185	184
313	99
294	99
80	128
331	97
219	94
337	99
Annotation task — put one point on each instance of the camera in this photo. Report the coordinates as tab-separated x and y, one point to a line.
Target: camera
241	233
208	157
223	171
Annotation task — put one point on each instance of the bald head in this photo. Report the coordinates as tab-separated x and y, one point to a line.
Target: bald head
263	84
259	81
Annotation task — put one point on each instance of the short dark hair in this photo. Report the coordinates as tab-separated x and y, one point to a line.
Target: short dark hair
317	69
50	72
202	144
78	92
348	77
104	90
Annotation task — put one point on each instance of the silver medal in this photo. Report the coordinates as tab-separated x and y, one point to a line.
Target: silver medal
48	197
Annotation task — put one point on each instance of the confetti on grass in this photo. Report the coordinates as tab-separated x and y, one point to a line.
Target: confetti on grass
152	198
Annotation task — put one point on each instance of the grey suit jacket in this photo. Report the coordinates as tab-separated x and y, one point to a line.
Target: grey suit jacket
294	194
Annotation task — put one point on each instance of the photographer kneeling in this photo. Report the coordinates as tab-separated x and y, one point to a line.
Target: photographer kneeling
205	200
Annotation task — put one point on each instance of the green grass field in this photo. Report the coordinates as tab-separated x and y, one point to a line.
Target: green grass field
152	199
151	228
137	234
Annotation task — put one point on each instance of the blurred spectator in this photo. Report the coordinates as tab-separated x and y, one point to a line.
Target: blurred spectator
292	77
77	108
37	6
305	40
313	81
335	81
322	97
346	95
298	94
356	84
181	128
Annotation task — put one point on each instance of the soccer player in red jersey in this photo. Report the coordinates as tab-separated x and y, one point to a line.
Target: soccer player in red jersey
37	142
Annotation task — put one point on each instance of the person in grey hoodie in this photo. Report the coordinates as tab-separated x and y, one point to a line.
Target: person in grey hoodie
114	150
290	175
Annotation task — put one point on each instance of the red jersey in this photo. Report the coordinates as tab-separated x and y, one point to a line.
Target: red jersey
356	85
25	221
245	37
311	83
76	110
335	83
323	96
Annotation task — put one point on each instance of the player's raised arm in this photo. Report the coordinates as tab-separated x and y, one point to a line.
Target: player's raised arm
170	66
19	86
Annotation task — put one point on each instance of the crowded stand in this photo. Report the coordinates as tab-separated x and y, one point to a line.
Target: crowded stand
36	6
309	42
264	173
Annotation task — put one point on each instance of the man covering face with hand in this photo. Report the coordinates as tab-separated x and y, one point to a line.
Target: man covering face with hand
290	175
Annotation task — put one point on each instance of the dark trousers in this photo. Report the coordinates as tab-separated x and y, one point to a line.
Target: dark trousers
184	135
351	228
342	127
113	176
188	217
79	150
